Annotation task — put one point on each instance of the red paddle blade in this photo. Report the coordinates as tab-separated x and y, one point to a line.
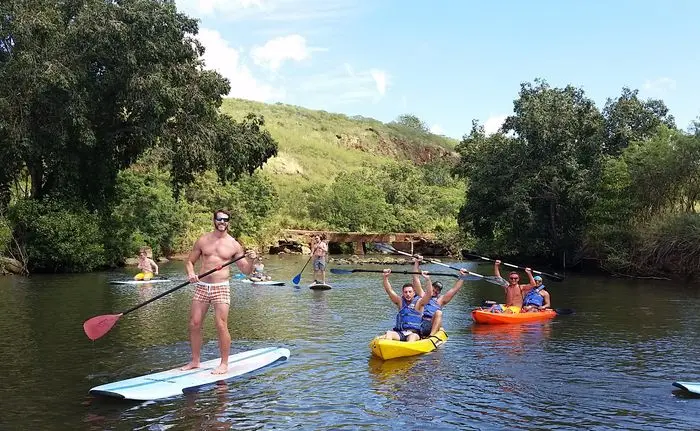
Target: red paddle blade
97	326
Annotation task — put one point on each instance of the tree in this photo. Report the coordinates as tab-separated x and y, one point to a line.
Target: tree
86	86
530	192
629	119
412	121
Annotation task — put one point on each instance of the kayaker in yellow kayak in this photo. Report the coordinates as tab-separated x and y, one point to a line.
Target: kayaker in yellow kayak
409	319
432	312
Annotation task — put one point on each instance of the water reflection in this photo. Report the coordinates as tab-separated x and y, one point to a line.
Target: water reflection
609	366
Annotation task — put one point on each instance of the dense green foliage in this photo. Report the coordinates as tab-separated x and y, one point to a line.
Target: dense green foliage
564	181
88	85
58	236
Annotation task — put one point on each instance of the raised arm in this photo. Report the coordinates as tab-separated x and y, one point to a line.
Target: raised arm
428	292
415	279
528	287
497	273
396	299
447	297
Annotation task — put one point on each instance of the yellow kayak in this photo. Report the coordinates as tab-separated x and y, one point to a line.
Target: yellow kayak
389	349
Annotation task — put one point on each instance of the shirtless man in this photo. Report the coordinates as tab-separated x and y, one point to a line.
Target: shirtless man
319	248
214	248
147	266
513	289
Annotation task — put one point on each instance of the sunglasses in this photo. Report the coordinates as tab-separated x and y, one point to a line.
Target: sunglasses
514	278
221	219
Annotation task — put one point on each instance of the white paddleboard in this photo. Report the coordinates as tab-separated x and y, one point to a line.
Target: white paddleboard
692	387
176	382
319	286
264	283
153	280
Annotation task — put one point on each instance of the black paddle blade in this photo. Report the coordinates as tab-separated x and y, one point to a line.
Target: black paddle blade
342	271
386	248
564	311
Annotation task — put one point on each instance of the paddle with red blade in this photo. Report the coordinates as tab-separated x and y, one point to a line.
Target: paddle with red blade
555	276
490	279
98	326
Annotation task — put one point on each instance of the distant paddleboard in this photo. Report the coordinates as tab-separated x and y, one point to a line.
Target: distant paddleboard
176	382
153	280
319	286
264	283
692	387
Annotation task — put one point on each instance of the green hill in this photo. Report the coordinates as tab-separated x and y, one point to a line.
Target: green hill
315	146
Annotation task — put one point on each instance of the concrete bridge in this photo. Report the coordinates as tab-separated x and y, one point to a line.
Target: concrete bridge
400	241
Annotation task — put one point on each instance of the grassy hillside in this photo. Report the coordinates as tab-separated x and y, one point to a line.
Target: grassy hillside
314	146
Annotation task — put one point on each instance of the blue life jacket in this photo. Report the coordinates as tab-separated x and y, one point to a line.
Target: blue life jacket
430	309
533	297
408	318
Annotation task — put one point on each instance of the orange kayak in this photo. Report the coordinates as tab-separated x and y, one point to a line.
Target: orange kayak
482	315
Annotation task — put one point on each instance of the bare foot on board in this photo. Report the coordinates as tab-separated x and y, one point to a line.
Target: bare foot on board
221	369
190	366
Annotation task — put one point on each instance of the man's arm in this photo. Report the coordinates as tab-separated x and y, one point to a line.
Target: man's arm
414	279
396	299
528	287
447	297
428	292
191	260
247	264
547	299
154	266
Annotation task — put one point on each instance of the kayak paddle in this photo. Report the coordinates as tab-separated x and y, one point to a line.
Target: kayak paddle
490	279
444	274
97	326
297	278
555	276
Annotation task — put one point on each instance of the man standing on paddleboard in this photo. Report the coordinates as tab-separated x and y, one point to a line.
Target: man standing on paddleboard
214	248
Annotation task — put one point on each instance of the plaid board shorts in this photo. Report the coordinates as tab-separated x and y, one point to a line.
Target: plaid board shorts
216	293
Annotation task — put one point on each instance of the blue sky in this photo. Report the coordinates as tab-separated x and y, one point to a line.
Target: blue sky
450	61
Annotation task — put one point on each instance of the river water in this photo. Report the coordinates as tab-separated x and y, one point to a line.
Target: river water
608	366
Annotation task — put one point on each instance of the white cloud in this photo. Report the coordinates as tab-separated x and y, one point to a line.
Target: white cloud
219	56
347	86
277	50
659	86
436	129
379	77
493	123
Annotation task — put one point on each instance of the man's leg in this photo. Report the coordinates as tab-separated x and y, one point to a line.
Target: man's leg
197	313
221	319
437	322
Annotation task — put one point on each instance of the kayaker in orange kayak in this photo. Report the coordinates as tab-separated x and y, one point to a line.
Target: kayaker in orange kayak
515	292
537	299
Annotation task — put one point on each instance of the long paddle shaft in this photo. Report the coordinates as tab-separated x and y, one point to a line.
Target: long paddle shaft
297	278
494	280
98	326
555	277
444	274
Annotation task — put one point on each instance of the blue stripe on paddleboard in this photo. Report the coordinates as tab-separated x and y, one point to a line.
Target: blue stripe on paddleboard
194	371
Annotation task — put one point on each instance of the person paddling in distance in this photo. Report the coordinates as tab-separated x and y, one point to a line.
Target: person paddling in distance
319	251
409	319
259	271
514	290
537	299
148	266
214	249
432	312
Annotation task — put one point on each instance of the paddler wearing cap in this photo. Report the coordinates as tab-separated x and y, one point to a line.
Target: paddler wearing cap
536	299
432	312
